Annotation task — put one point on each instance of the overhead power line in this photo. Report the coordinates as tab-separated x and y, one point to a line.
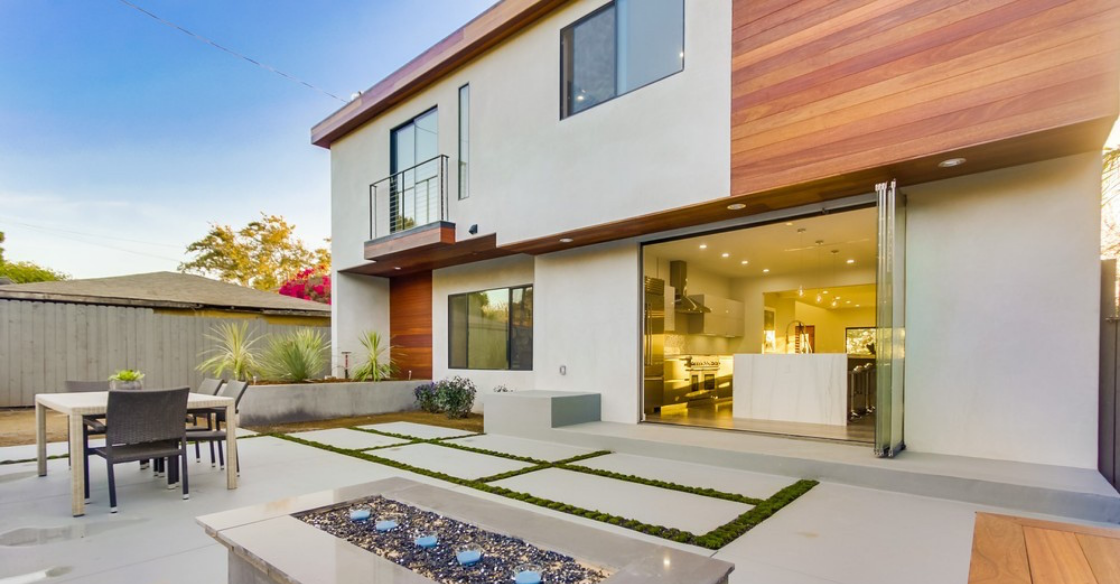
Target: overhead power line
94	243
231	51
60	230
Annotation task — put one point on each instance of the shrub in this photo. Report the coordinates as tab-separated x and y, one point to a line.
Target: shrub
233	352
295	356
378	365
455	396
310	284
426	397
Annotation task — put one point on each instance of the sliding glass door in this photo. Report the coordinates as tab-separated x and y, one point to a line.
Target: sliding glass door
890	335
415	194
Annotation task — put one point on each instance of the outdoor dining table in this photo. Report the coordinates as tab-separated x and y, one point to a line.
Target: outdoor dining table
77	405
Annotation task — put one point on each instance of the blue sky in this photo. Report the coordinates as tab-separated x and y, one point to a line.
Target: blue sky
121	138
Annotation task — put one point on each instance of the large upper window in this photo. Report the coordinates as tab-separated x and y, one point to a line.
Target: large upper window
619	48
492	329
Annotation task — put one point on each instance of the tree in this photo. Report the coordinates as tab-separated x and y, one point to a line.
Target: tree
1110	205
262	255
26	272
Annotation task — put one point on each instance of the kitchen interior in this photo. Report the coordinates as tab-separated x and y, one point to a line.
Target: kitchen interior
768	328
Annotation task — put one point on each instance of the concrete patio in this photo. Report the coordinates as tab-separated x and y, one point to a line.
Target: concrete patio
833	534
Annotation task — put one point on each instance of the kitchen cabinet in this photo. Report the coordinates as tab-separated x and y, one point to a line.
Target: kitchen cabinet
724	320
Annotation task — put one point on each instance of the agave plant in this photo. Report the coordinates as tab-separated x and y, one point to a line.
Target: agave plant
378	365
296	356
233	352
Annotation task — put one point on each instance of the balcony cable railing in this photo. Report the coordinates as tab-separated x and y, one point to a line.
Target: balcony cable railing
409	198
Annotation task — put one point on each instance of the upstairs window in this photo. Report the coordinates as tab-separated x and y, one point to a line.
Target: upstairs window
618	48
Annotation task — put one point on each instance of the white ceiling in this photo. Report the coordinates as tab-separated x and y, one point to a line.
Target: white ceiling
861	296
780	248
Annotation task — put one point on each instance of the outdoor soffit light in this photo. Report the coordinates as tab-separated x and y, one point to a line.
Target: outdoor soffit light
736	207
565	240
951	162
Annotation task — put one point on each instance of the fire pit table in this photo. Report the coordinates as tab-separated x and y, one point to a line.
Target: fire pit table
338	537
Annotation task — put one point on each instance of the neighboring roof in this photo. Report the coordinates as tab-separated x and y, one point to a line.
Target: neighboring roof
163	290
499	22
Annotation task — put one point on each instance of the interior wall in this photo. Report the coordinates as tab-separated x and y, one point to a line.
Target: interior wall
1002	285
588	320
830	333
751	292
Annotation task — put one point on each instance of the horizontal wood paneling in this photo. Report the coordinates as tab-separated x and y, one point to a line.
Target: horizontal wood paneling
410	325
823	89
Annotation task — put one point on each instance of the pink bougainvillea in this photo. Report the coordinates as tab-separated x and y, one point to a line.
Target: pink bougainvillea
311	284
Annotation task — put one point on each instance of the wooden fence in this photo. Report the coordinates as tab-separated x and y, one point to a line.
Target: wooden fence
43	344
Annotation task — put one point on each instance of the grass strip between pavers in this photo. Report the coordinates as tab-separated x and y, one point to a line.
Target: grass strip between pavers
23	460
714	539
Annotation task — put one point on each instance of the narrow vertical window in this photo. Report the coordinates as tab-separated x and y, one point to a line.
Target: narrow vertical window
464	141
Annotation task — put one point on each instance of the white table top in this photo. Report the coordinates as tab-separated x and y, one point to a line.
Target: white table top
97	402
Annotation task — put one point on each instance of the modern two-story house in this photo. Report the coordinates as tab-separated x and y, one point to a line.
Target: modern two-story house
873	221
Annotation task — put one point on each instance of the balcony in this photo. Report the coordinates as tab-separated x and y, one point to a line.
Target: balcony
410	228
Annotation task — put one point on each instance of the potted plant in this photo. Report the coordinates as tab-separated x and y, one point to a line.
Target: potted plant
126	379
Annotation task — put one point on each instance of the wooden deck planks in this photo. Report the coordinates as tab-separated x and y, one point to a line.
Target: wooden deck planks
1018	550
999	552
1103	556
1056	557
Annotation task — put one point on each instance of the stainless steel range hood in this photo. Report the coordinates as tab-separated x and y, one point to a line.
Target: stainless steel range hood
678	278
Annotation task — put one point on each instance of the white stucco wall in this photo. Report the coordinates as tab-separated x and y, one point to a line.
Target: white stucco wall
499	273
358	304
533	174
588	318
1002	313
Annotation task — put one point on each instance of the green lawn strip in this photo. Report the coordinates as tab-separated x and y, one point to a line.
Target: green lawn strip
409	443
714	539
23	460
444	442
703	492
728	532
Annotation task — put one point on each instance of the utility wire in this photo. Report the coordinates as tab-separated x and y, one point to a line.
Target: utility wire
231	51
105	245
59	230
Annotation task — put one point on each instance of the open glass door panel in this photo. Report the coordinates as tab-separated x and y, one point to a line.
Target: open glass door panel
890	334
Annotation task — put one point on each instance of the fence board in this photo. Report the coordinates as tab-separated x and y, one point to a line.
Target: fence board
44	344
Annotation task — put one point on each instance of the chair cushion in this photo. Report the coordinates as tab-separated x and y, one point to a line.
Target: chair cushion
131	452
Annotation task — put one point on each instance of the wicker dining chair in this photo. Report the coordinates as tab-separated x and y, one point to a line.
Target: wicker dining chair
214	434
145	425
97	427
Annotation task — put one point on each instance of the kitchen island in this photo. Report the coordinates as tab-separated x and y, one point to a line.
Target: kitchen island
810	388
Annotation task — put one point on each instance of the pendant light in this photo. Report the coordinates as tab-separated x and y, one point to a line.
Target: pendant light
820	242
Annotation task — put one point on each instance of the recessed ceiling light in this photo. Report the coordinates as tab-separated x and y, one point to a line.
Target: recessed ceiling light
851	261
765	270
736	206
703	246
838	297
789	223
724	255
744	262
847	302
951	162
397	268
825	292
857	306
565	240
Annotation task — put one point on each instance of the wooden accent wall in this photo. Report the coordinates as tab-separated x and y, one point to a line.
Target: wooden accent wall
410	324
824	88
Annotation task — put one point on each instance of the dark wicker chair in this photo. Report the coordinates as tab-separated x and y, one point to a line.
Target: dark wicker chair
95	424
209	386
214	434
145	425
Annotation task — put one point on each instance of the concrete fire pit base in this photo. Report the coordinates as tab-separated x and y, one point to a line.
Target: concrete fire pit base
268	545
